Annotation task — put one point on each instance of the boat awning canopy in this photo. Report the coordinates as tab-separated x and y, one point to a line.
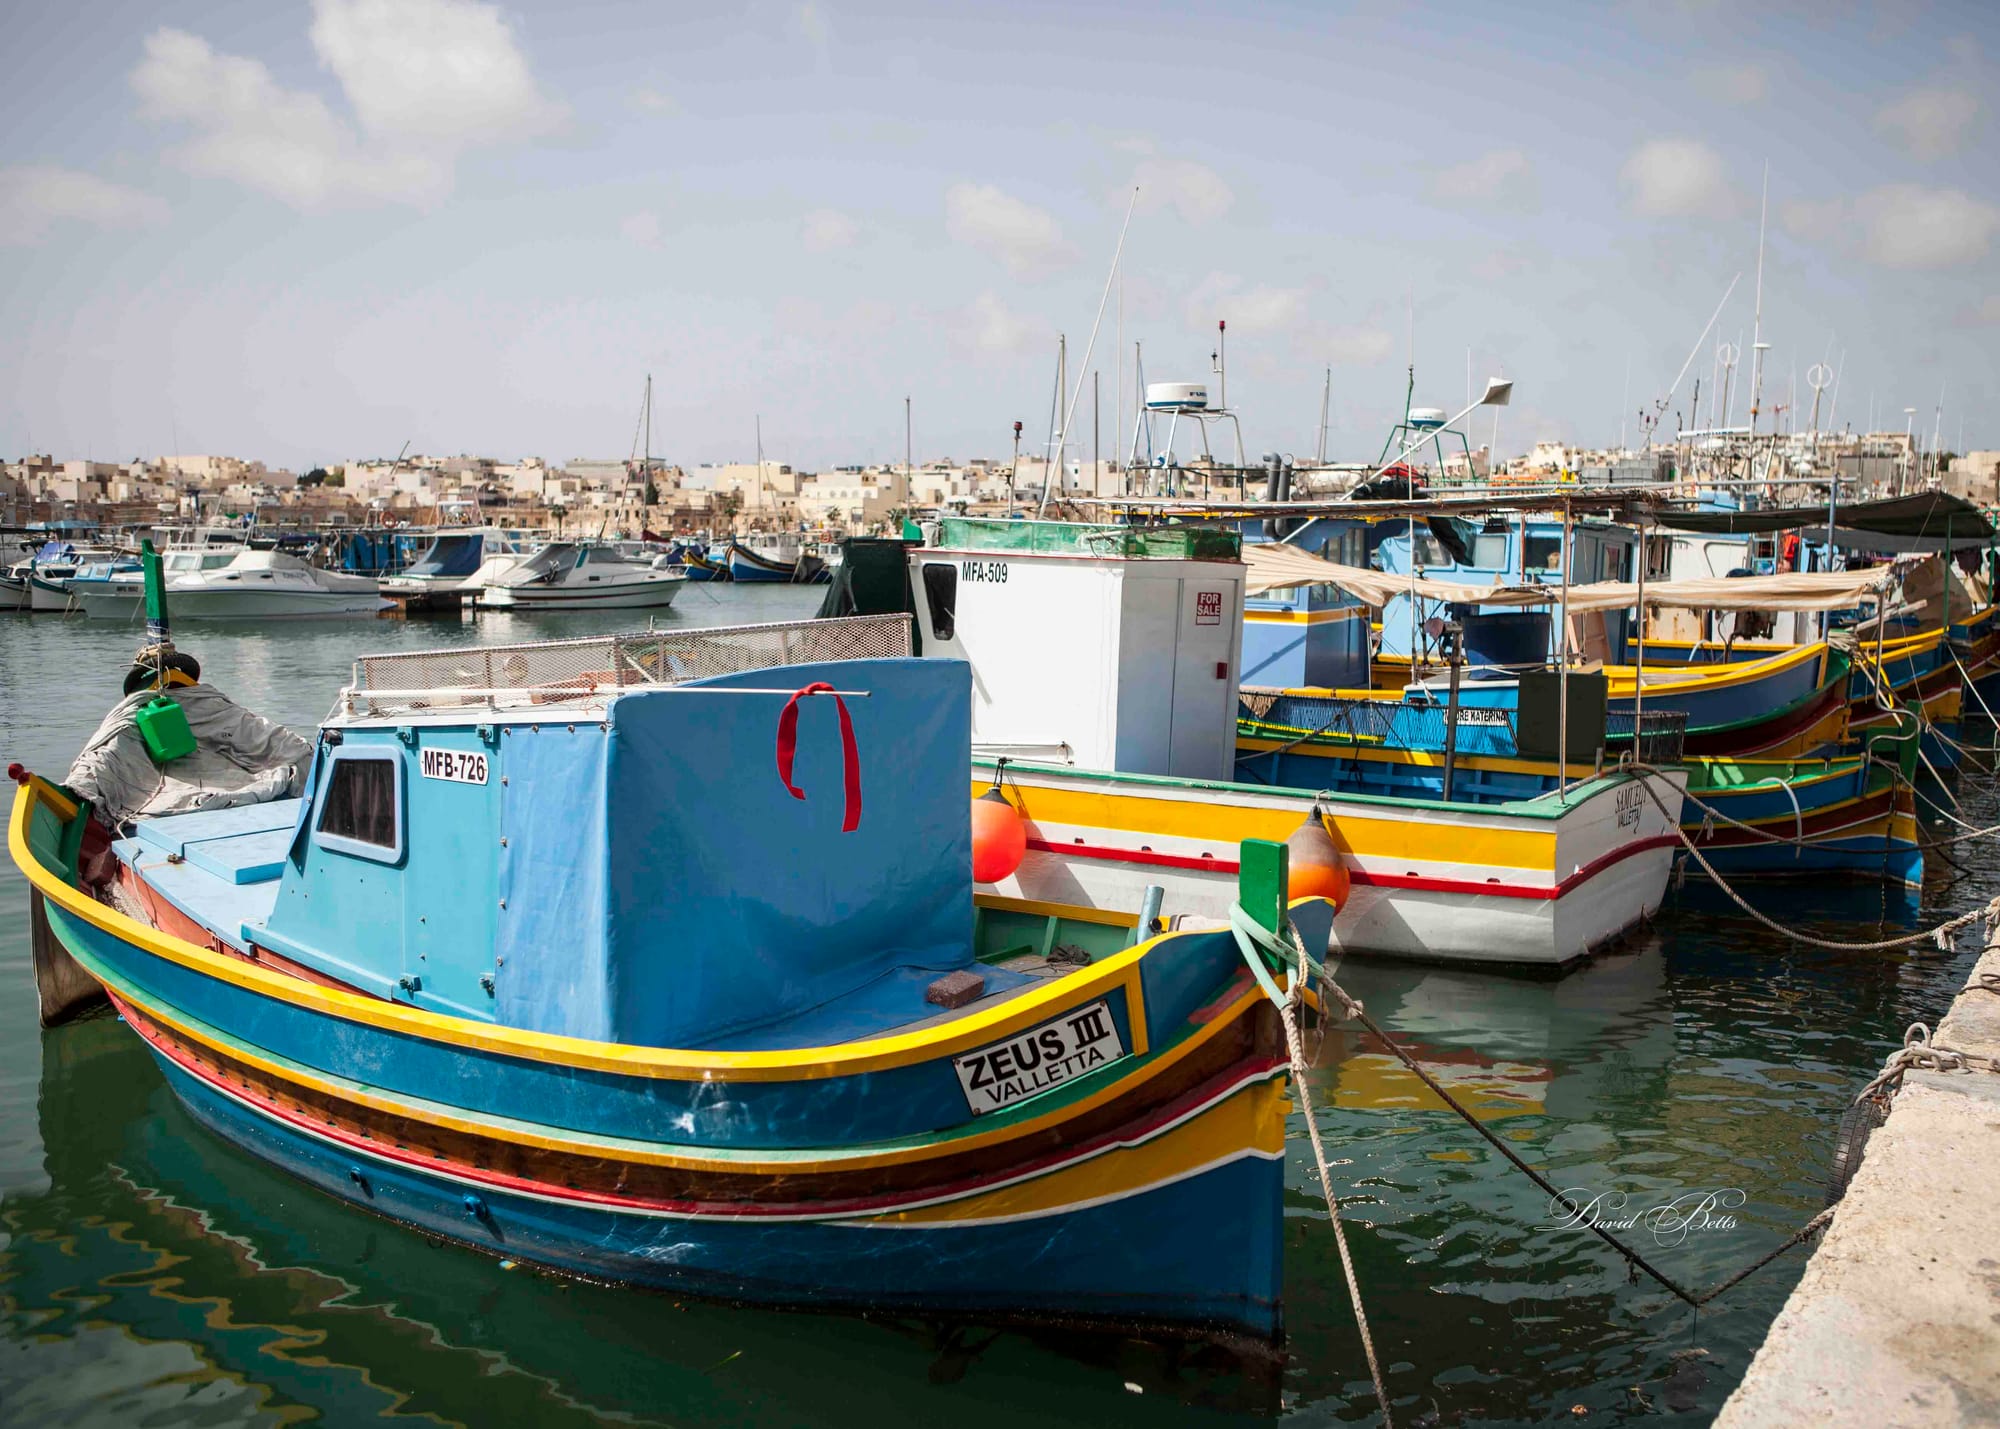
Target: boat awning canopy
1275	567
1924	522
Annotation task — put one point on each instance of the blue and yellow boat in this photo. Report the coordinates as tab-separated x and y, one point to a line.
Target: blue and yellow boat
550	958
1852	814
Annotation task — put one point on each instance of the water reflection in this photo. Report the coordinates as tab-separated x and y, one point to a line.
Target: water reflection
211	1288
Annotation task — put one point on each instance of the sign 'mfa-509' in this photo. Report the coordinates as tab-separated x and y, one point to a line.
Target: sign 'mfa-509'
1081	1040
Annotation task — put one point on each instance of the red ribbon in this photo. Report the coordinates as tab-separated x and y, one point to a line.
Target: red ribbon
850	757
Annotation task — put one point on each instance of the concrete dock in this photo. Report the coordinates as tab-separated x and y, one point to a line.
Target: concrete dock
1897	1319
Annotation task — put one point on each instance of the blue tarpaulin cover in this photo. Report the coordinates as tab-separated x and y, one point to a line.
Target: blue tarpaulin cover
449	556
663	888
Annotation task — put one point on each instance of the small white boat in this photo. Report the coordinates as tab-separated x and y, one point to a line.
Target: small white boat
266	585
110	594
46	575
13	593
582	575
458	565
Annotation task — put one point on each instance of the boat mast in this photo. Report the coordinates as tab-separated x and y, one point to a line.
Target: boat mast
1757	320
1117	259
1325	403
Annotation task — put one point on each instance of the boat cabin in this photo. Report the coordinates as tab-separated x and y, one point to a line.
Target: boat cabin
1310	636
1108	647
1506	551
642	839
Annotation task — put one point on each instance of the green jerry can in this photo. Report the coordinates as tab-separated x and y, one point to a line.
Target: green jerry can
163	724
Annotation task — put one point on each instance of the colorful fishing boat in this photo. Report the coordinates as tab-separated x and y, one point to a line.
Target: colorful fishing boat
1910	672
1855	814
1105	664
1788	705
772	559
699	563
1975	641
532	951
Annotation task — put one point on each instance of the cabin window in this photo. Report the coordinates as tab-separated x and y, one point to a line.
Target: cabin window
1430	551
1489	551
1544	553
941	595
361	811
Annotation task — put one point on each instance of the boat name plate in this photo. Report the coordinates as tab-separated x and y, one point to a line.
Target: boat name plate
457	765
1043	1056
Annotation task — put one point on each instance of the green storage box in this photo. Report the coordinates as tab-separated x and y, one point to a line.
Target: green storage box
163	724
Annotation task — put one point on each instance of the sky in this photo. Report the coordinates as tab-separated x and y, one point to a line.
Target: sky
312	232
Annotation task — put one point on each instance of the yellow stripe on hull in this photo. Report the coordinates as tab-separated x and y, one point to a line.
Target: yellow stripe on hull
649	1153
1250	1121
1121	970
1395	835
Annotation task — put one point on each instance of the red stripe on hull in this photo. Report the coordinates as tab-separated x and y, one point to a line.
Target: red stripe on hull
1424	883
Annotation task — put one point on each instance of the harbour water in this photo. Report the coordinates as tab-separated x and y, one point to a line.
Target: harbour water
151	1274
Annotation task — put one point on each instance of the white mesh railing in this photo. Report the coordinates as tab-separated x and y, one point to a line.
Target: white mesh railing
590	672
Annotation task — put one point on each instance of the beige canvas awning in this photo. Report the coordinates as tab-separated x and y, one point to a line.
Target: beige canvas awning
1277	567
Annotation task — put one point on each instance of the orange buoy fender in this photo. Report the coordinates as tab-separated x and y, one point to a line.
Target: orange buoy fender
999	837
1317	869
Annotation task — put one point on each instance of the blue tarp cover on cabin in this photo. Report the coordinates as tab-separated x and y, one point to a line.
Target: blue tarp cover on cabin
449	556
663	888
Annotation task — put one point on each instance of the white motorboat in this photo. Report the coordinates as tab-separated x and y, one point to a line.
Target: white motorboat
582	575
458	565
45	576
266	585
110	593
13	593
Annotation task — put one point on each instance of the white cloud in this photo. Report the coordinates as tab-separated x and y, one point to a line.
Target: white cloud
1904	226
1930	123
1733	84
1358	346
1671	178
426	80
1027	239
1499	175
443	73
1250	311
1193	190
828	228
1907	226
286	143
992	327
642	229
36	199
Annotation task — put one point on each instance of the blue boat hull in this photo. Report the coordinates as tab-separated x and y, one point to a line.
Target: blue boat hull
1220	1266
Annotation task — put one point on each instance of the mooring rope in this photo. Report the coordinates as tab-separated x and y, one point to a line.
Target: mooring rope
1938	935
1920	1054
1256	944
1250	936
